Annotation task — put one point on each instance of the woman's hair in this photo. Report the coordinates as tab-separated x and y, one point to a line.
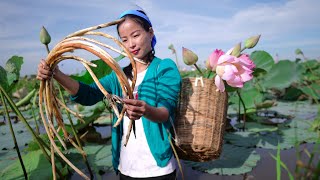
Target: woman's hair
146	26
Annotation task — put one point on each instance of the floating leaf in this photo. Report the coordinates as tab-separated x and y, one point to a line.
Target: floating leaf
8	157
243	139
99	156
257	127
286	136
229	163
36	164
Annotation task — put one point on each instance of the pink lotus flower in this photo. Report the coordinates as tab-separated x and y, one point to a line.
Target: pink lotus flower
235	71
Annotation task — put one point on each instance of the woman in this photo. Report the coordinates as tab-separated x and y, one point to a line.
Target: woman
148	155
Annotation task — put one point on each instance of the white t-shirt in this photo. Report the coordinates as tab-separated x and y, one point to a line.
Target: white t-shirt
136	159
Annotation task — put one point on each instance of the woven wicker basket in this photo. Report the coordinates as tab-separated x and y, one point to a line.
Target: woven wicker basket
200	121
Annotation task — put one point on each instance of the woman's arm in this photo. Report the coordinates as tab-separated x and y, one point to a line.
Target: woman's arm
69	84
138	108
80	93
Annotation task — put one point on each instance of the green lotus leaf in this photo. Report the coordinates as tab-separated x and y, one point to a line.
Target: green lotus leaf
281	75
262	60
3	79
37	167
312	90
13	67
99	156
257	127
287	136
100	71
292	93
250	96
229	163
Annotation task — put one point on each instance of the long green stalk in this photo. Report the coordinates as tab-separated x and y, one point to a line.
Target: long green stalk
33	114
199	70
244	109
239	110
40	142
314	151
285	167
278	166
14	137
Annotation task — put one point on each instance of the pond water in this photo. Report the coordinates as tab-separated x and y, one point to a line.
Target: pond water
265	168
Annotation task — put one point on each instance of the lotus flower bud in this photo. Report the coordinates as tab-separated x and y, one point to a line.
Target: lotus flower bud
171	47
251	42
208	65
236	50
44	36
298	51
189	57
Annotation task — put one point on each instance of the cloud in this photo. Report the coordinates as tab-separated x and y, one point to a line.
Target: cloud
272	21
202	27
281	26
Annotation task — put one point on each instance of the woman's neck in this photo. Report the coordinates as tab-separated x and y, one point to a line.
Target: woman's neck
141	67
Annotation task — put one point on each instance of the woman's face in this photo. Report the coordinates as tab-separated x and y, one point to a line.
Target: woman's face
136	39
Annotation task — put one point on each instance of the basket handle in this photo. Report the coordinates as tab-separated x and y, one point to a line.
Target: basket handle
198	79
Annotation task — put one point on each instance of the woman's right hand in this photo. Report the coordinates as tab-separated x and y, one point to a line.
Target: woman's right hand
69	84
44	71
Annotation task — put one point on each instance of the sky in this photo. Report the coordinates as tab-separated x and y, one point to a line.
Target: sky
201	26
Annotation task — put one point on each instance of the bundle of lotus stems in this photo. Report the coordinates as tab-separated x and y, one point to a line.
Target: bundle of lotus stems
52	105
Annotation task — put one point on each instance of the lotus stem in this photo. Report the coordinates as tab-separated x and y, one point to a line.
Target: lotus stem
244	110
40	142
50	137
47	48
81	32
84	155
14	137
33	113
53	104
53	163
74	132
69	111
195	65
102	44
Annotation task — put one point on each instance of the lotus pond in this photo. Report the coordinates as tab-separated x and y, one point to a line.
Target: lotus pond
245	153
279	138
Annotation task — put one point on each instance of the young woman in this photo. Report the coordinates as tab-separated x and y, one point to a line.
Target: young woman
148	155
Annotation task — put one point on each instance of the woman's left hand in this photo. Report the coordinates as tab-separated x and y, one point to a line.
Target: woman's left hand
135	108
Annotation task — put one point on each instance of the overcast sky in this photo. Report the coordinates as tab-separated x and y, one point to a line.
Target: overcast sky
201	26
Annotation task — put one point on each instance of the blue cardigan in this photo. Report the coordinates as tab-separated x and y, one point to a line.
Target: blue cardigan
159	88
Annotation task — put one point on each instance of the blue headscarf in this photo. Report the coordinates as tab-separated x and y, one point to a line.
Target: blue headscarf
140	14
